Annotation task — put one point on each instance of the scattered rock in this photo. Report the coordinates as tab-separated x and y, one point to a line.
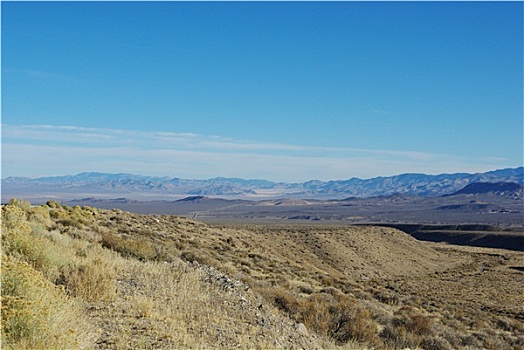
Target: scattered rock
301	329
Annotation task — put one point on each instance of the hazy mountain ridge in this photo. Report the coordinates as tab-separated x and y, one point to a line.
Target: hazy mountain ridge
408	184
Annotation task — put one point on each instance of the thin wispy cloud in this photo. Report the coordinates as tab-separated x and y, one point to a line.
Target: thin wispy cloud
161	139
44	150
38	74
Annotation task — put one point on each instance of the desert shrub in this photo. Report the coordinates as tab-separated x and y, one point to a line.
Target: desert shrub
91	280
204	258
410	329
90	210
285	300
53	204
112	241
282	298
58	257
329	313
20	203
25	242
470	341
355	325
418	324
86	234
166	252
74	222
397	337
510	325
452	337
315	313
14	220
301	287
39	215
36	314
408	318
435	343
519	343
58	214
30	242
386	296
140	248
69	218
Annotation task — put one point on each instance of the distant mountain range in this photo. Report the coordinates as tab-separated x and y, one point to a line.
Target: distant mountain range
407	184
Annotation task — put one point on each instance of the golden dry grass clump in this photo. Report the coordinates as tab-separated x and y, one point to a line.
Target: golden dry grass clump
36	312
38	315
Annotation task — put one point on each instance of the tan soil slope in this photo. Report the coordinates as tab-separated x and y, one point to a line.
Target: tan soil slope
355	252
490	283
280	252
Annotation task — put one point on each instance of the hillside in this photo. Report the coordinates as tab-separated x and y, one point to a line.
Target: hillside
71	281
161	281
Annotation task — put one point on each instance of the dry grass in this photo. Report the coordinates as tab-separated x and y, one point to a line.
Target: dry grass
38	315
164	282
61	280
173	308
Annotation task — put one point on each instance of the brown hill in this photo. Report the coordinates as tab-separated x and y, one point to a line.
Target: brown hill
342	252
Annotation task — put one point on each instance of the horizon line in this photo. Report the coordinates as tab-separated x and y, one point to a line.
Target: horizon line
255	179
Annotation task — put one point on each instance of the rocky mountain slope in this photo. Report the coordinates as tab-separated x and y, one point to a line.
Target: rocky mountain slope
508	189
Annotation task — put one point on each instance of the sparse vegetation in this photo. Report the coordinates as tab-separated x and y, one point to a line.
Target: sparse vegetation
36	312
82	277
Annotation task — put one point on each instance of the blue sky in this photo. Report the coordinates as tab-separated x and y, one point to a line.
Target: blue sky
286	91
